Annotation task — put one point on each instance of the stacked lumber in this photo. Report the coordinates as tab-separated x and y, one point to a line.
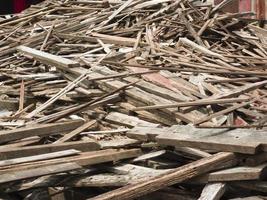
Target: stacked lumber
124	99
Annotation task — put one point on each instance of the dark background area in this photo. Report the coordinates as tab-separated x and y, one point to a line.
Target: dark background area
8	6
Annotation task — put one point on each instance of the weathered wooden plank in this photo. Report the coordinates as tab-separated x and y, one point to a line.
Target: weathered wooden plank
75	132
48	59
239	140
174	176
38	130
192	103
235	174
24	174
38	157
17	152
83	159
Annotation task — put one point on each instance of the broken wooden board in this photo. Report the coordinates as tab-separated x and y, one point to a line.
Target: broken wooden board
246	141
174	176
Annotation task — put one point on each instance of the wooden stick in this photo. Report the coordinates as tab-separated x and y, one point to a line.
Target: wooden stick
75	132
193	103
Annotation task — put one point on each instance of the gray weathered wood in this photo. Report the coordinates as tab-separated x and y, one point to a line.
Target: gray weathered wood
38	130
212	191
174	176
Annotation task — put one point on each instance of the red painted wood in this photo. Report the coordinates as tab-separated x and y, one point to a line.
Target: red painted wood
231	7
261	9
245	5
19	5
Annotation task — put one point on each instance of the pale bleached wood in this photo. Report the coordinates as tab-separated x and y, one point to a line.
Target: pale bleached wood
212	191
39	157
47	58
38	130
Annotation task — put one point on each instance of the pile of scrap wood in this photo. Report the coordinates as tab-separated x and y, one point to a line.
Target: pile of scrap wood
132	99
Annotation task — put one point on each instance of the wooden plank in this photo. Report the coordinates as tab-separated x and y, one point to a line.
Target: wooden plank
83	159
48	59
239	140
193	103
177	175
126	120
241	173
41	171
38	157
17	152
221	113
38	130
75	132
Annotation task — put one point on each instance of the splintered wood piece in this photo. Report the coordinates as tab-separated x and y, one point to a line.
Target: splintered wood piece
126	120
220	113
75	132
177	175
212	191
149	155
48	59
200	48
115	39
116	12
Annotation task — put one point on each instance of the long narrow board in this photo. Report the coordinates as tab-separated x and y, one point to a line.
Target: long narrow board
177	175
49	59
38	130
17	152
246	141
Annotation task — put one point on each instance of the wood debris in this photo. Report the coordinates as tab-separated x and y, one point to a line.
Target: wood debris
124	99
